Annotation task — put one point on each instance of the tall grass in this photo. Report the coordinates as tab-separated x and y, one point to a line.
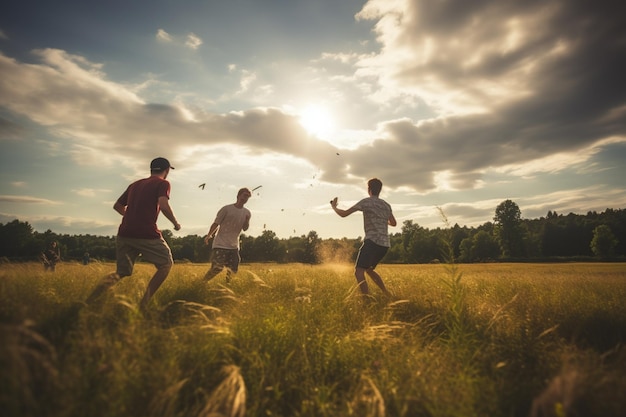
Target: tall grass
295	340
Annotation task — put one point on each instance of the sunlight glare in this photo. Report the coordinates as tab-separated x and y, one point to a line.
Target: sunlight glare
317	120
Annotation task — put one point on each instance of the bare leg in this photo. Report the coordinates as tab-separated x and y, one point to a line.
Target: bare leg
154	284
377	280
359	273
211	273
106	283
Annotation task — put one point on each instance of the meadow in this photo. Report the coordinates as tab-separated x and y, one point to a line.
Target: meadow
297	340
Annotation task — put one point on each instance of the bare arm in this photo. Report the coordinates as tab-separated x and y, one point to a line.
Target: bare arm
246	223
212	231
341	212
167	211
392	220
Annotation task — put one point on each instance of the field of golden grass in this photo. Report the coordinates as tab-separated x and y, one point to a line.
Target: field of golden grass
297	340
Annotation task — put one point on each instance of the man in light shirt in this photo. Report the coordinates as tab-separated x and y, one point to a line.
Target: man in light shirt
377	216
229	222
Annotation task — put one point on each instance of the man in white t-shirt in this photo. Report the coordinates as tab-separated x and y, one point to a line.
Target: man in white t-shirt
377	215
229	222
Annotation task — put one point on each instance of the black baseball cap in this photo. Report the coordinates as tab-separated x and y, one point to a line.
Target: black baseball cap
160	164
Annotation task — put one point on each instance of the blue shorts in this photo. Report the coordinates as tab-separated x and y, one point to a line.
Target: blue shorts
370	254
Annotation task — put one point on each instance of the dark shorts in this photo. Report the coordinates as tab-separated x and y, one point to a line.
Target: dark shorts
221	258
128	249
370	254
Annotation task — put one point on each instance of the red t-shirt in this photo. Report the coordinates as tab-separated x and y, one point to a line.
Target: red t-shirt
141	199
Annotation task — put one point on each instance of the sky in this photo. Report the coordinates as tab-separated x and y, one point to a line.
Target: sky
455	105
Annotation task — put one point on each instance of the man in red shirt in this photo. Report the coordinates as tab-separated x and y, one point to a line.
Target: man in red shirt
138	233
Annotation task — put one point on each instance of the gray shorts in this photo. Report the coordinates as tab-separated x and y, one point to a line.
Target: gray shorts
155	251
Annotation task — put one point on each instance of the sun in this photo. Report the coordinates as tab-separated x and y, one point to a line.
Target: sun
317	120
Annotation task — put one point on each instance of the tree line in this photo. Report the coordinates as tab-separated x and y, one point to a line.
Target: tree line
508	237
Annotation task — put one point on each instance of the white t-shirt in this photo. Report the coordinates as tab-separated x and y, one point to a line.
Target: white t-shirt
231	220
376	213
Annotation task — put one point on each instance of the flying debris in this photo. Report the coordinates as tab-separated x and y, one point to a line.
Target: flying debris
337	153
202	185
256	188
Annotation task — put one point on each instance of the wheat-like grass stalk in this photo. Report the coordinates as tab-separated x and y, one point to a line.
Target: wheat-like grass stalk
257	280
388	331
367	400
29	363
164	403
229	398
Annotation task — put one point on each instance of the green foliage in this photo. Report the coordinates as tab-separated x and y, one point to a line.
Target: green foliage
511	238
603	242
508	220
293	340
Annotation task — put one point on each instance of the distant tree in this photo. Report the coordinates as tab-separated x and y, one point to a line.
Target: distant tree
14	237
420	244
465	250
458	234
311	245
508	228
604	242
484	247
267	247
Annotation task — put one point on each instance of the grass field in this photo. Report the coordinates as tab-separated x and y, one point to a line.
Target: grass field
296	340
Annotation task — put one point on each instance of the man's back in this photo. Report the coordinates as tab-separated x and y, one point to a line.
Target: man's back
376	212
141	199
231	221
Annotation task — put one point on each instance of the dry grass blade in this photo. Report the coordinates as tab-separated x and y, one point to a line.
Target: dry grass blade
29	362
229	398
257	280
381	331
164	403
225	293
500	312
367	401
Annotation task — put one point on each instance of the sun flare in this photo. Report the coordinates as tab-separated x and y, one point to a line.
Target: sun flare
317	120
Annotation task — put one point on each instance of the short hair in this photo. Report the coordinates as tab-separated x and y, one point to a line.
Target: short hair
243	190
375	185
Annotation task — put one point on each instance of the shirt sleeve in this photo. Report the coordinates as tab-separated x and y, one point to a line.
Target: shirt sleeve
164	190
359	205
221	214
123	199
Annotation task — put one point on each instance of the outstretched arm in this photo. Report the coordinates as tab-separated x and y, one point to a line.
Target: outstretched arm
341	212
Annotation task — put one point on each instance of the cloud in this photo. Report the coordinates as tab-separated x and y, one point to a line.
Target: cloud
193	41
21	199
512	83
90	192
10	130
163	36
71	225
509	87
